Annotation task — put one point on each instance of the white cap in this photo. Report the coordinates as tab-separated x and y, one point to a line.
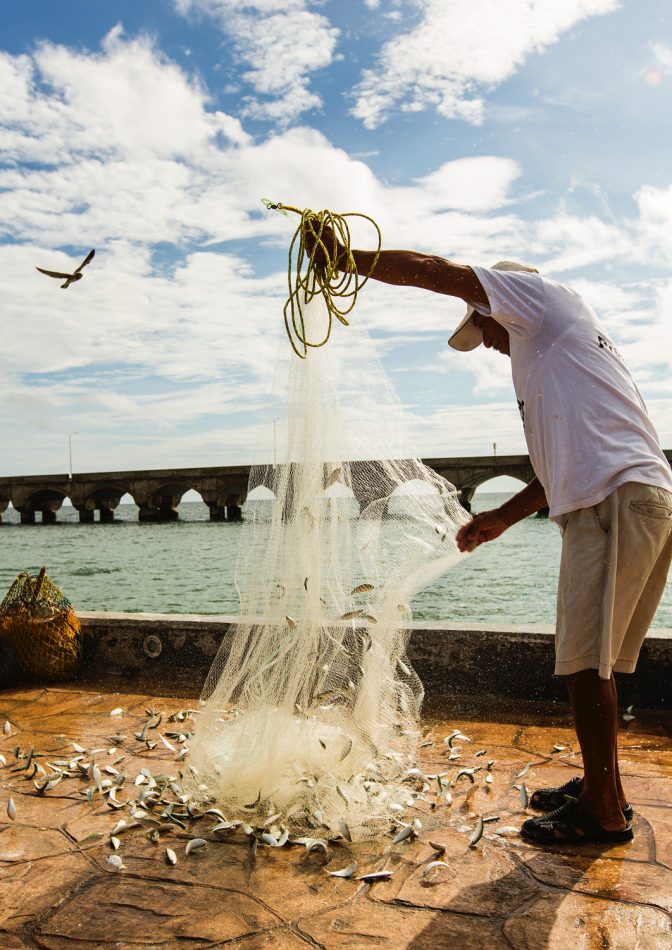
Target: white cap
468	336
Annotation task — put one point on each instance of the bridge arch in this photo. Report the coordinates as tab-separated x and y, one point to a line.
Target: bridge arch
104	498
160	503
260	493
522	473
45	500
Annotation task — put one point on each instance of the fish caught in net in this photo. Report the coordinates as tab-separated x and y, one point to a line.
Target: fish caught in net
40	625
309	715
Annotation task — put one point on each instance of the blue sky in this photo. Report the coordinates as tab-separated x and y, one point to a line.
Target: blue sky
475	129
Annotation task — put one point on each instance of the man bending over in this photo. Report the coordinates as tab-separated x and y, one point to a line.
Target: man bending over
600	470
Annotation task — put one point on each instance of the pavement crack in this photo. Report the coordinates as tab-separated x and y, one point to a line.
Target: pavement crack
140	907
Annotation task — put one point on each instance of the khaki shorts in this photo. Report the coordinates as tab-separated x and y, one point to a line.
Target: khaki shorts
613	570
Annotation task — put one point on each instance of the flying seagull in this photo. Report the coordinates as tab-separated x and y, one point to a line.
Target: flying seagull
69	278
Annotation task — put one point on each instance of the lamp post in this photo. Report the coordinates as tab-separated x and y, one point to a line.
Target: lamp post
275	460
70	435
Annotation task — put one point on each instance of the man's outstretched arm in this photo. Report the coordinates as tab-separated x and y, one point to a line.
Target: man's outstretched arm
427	271
411	269
490	524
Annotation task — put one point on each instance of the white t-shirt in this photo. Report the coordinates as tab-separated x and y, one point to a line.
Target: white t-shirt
586	425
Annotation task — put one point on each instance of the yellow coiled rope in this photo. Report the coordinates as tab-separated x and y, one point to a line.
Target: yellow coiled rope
324	269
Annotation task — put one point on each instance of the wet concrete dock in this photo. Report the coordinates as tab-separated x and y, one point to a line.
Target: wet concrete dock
58	889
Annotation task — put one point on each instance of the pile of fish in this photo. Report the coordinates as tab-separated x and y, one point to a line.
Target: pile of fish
155	802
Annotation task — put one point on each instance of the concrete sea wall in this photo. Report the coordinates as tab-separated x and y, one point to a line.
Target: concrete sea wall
159	651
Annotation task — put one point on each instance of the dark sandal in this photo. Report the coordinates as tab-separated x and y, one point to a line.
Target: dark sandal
548	799
570	824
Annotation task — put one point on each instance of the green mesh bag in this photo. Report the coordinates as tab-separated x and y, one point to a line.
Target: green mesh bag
40	625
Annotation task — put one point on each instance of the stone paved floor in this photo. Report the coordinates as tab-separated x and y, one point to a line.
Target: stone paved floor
58	890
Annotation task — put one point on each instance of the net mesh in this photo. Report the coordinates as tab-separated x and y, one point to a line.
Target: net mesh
39	623
309	715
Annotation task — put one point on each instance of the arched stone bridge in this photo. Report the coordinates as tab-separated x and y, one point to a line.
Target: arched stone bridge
157	492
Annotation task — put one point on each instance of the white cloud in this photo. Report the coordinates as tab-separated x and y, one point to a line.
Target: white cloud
114	176
459	50
482	183
111	105
662	56
469	430
491	370
568	242
655	209
610	301
161	363
282	44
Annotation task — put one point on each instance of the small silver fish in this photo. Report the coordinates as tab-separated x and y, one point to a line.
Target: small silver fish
194	844
116	862
507	831
433	865
405	832
312	843
291	622
115	842
48	785
375	876
11	809
437	847
344	795
362	589
7	728
404	669
469	774
524	770
344	872
344	828
351	615
478	833
171	857
524	797
334	477
346	750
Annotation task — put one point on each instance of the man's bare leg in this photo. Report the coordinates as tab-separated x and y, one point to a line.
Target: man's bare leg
595	710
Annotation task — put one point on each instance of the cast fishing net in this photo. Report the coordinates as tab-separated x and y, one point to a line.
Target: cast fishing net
309	715
39	623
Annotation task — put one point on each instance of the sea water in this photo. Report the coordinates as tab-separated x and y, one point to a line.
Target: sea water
188	567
